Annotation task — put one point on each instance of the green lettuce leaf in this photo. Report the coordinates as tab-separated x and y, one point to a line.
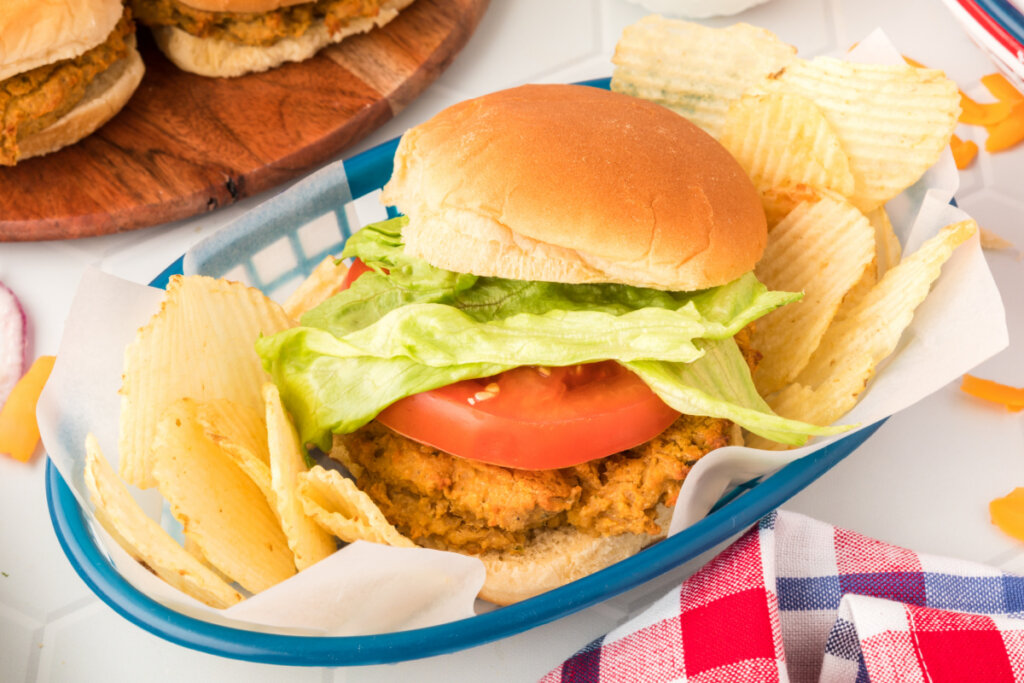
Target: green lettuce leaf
421	327
722	310
719	385
328	393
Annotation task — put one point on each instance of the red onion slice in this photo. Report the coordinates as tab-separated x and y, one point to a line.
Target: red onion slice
13	341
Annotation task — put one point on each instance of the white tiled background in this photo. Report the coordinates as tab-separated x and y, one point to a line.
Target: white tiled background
922	481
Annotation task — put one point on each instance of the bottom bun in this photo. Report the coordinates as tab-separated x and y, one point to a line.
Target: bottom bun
105	96
557	557
222	58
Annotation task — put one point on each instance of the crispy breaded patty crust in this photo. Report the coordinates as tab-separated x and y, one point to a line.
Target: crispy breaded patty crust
443	501
253	28
33	100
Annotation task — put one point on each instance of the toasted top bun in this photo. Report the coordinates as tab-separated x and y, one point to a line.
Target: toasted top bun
104	98
575	184
33	32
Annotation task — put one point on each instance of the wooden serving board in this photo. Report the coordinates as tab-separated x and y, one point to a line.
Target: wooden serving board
187	144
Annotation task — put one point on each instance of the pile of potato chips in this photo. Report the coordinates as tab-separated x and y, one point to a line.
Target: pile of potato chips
826	143
218	444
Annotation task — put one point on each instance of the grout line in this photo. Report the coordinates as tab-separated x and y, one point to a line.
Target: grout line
70	608
34	655
552	74
597	12
46	644
833	14
1000	559
31	625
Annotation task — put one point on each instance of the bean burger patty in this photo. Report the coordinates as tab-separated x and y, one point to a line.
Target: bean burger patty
33	100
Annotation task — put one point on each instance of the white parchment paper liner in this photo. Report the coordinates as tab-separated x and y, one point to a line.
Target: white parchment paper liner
366	588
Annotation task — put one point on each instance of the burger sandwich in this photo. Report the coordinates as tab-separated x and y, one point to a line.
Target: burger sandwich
525	364
234	37
66	68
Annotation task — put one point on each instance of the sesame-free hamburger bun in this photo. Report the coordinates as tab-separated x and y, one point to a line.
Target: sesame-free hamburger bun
80	53
575	184
569	184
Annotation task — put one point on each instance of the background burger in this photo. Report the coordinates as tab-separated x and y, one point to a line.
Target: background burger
529	361
66	68
235	37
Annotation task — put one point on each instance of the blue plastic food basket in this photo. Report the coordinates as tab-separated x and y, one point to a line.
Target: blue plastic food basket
238	251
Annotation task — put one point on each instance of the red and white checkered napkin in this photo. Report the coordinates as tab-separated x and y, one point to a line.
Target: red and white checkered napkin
795	599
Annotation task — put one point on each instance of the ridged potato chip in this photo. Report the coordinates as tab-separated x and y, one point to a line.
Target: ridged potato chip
888	250
229	422
195	551
782	139
307	541
778	202
317	288
241	433
219	506
841	366
337	505
824	403
694	70
893	120
859	290
874	327
144	539
822	249
201	345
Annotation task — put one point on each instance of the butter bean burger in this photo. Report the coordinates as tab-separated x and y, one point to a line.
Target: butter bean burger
525	365
66	68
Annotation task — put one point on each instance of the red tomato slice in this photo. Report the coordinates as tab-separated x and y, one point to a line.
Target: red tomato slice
535	418
530	417
354	271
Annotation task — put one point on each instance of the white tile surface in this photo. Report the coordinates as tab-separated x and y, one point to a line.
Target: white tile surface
36	580
19	642
922	480
95	645
534	37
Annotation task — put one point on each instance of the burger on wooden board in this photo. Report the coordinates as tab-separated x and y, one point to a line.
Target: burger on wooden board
235	37
66	68
526	364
